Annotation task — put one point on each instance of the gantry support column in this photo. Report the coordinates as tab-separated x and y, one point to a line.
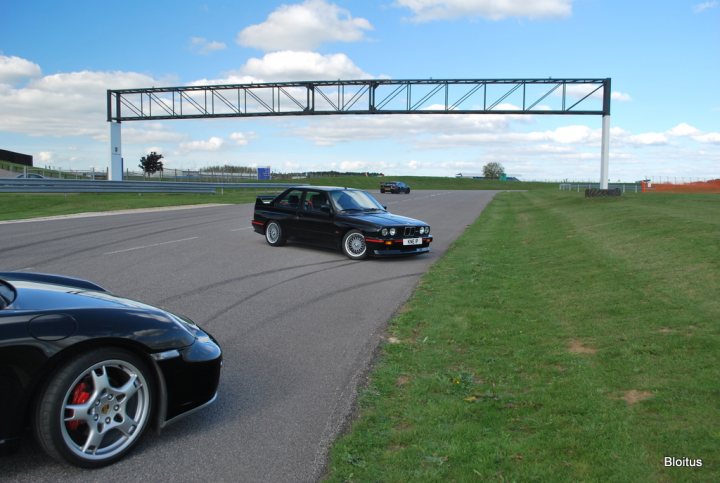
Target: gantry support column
605	146
116	160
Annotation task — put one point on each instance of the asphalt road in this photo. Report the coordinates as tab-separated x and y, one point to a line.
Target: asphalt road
298	326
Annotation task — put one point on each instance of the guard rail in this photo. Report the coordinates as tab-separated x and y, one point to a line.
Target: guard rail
50	185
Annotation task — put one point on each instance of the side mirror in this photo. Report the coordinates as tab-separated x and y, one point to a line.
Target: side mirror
384	207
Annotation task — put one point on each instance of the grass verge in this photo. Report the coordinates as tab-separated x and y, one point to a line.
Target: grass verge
560	339
16	206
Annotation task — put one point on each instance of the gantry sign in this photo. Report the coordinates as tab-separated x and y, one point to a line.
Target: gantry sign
361	97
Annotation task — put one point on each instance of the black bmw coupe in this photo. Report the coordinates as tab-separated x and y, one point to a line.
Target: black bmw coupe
350	219
89	371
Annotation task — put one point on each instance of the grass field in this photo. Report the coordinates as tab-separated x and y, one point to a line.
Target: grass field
560	339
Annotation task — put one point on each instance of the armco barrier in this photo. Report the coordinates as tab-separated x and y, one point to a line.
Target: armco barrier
49	185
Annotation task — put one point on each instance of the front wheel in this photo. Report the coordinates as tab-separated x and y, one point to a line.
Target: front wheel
95	408
274	234
354	246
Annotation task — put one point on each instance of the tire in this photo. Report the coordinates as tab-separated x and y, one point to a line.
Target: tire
95	408
382	191
354	246
407	191
274	234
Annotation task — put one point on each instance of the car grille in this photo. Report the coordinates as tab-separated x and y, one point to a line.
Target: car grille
411	231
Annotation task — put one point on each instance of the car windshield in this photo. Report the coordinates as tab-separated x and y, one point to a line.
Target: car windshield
347	200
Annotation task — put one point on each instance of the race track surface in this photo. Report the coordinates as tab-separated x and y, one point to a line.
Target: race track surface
298	326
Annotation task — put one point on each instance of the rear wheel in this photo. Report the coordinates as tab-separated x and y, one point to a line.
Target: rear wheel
407	191
354	246
274	234
95	408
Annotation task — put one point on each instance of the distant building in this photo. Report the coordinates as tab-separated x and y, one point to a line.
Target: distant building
17	158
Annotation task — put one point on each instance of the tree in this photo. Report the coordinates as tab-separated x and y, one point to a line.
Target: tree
151	163
493	170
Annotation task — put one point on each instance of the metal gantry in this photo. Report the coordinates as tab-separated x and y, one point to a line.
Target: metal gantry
361	97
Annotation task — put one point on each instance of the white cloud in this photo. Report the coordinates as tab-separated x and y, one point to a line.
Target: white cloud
213	144
292	65
407	128
304	26
14	69
203	46
428	10
649	138
65	104
45	156
241	138
701	7
620	96
711	138
683	129
581	90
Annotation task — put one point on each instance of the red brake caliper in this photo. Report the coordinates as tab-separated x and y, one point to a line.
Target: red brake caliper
79	396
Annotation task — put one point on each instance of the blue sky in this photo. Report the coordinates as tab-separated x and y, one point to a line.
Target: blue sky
57	59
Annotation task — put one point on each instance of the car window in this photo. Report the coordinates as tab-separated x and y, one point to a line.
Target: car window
354	200
7	295
290	200
314	201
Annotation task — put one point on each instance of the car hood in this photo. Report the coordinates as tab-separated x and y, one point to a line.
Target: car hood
44	296
383	219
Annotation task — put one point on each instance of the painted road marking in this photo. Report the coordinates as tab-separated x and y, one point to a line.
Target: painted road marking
150	246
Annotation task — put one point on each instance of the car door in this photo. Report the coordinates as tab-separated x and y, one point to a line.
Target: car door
287	208
315	218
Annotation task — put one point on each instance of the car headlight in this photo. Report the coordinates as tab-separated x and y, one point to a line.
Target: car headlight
384	232
392	231
427	230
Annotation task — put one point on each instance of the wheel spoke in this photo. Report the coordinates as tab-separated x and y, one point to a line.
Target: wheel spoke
94	439
128	389
127	426
100	381
80	412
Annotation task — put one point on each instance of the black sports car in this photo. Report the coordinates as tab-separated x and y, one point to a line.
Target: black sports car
89	371
349	218
395	187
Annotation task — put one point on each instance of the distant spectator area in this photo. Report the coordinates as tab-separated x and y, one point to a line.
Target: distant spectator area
18	158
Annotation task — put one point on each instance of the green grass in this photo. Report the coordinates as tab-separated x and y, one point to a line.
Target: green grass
560	339
17	206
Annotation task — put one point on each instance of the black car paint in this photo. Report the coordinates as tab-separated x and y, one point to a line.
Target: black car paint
395	187
53	318
329	227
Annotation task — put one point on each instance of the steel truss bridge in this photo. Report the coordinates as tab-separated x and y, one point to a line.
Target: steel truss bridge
362	97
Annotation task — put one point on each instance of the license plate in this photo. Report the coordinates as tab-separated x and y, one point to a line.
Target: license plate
412	241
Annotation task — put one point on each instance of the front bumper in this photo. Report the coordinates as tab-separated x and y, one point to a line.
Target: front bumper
191	379
394	247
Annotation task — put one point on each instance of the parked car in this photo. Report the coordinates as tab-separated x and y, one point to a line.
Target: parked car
345	218
30	176
394	187
89	371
